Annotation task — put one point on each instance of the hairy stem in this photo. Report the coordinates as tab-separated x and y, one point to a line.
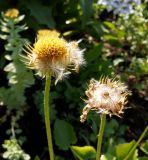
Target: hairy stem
100	136
136	144
47	116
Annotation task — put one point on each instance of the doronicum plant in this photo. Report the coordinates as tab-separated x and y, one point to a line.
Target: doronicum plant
52	56
106	97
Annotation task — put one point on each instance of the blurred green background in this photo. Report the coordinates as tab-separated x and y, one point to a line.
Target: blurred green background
115	46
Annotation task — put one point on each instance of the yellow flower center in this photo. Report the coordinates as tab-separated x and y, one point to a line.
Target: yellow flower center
51	48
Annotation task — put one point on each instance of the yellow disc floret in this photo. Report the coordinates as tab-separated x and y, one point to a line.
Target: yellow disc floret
51	48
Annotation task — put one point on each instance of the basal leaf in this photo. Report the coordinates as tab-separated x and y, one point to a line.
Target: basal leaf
83	153
64	134
144	147
123	149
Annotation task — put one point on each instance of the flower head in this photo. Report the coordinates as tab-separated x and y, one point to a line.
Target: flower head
54	55
106	96
12	13
47	32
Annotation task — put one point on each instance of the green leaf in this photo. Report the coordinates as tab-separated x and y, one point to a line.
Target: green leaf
15	100
135	155
87	7
4	37
41	13
120	34
83	153
38	100
110	37
123	149
37	158
59	158
64	134
111	127
97	29
144	147
10	68
110	25
94	53
20	18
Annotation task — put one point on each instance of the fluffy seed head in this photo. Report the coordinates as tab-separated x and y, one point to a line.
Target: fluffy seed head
106	96
51	54
76	55
12	13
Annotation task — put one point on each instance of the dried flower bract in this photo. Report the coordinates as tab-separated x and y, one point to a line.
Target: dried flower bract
53	55
12	13
106	96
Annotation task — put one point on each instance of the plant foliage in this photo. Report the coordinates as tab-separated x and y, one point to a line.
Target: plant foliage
116	45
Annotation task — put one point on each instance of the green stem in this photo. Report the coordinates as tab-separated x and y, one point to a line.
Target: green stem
136	144
100	136
47	116
12	127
